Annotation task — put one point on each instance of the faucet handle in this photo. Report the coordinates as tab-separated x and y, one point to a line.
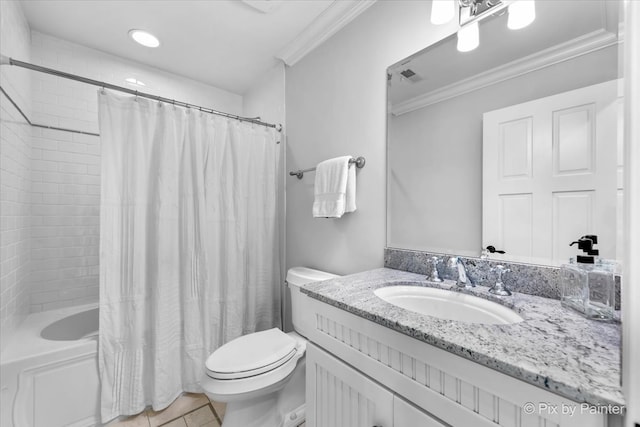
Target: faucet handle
453	262
434	276
458	270
499	288
501	269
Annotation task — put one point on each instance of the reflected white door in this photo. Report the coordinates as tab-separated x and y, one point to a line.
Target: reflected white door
549	174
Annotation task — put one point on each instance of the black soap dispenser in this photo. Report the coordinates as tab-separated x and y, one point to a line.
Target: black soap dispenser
585	244
588	284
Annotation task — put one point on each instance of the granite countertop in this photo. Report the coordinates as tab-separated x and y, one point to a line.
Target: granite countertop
553	348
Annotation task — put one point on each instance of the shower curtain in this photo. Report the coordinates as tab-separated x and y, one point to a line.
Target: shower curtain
189	245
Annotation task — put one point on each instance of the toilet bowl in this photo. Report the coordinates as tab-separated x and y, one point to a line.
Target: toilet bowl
261	376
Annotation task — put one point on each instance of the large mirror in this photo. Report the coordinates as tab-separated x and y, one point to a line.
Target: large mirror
516	144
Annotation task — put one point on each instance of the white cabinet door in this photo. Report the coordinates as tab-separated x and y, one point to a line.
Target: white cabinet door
549	174
407	415
339	396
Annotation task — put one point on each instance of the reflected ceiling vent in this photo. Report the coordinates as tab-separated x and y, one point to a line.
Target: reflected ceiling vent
410	75
264	6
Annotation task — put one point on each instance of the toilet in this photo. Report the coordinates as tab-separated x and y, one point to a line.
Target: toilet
261	376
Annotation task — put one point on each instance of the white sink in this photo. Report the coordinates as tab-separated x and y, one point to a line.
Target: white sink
448	305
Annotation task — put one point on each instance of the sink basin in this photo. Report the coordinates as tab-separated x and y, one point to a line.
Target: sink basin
448	305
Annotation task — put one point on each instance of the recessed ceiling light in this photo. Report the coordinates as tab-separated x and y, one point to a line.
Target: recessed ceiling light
134	81
144	38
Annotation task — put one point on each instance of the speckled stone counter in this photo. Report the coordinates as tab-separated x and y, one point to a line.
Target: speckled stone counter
553	348
539	280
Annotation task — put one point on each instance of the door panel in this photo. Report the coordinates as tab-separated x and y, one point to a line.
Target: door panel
550	174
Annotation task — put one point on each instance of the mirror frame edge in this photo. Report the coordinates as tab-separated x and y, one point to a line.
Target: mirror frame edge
631	271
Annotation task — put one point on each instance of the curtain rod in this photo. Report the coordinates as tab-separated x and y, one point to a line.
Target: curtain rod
10	61
37	125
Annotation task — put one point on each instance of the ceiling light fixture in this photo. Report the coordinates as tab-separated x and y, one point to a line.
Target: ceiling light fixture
442	11
521	14
476	10
471	12
468	37
144	38
134	81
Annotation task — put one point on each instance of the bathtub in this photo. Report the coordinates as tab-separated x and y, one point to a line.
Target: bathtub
49	370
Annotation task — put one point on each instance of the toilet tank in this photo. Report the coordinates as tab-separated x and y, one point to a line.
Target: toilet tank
297	277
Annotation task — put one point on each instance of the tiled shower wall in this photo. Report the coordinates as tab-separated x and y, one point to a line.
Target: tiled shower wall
66	166
65	216
65	212
15	182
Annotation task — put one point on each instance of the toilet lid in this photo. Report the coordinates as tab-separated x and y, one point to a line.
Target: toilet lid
251	355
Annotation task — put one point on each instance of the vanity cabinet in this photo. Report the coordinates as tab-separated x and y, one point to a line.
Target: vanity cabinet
407	415
340	396
362	374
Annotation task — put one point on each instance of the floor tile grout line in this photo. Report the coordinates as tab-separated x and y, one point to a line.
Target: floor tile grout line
182	416
215	413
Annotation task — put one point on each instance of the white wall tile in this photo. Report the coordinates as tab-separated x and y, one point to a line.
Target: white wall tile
15	179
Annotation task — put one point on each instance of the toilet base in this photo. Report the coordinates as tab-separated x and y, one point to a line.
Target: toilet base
257	412
267	408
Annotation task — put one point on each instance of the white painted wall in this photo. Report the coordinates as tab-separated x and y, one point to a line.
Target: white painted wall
66	167
336	105
15	159
266	99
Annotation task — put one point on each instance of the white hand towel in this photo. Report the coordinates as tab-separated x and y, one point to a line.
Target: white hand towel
350	194
335	188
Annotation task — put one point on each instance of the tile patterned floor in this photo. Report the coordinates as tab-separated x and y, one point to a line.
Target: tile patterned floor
189	410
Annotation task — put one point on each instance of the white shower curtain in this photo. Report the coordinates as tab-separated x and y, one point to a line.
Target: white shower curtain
189	245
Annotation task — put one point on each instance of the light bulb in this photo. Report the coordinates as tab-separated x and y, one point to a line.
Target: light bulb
442	11
521	14
468	37
144	38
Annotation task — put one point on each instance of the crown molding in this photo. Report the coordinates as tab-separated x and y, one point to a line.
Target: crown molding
329	22
556	54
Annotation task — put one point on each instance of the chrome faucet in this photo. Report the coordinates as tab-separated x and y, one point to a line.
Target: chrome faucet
456	265
500	288
434	276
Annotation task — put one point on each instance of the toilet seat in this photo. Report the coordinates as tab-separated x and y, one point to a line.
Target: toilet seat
251	355
236	388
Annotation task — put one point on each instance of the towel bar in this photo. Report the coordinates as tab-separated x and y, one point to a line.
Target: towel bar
359	161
